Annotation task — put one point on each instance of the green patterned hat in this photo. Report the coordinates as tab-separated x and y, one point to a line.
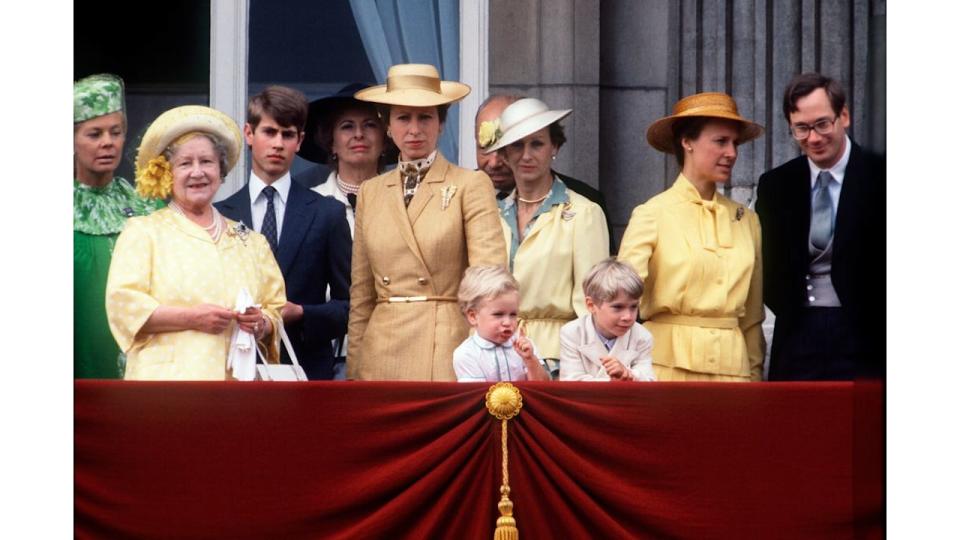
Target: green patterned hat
97	95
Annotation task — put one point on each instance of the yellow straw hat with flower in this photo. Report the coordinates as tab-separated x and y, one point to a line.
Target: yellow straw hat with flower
153	171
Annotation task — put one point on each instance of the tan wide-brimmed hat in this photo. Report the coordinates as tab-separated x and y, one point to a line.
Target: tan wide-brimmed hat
523	117
414	85
178	121
707	104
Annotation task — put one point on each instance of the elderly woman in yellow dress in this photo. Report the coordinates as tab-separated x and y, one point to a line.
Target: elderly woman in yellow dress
553	235
699	252
188	288
417	229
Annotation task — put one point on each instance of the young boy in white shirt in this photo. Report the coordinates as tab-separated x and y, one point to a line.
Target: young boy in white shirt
608	343
490	299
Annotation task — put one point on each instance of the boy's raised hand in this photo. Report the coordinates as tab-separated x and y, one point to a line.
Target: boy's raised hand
525	349
523	346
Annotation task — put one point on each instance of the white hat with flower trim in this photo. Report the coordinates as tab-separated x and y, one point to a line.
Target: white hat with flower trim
523	117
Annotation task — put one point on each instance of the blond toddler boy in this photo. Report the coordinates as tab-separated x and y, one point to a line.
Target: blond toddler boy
490	300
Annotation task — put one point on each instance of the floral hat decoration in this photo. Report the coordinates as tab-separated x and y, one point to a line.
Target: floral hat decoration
153	171
97	95
489	133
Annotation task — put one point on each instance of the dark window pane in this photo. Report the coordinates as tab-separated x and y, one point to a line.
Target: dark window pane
308	45
163	58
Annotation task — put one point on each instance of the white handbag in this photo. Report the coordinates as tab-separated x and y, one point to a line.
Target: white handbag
280	372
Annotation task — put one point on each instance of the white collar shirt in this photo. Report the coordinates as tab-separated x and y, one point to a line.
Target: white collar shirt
258	202
837	171
479	360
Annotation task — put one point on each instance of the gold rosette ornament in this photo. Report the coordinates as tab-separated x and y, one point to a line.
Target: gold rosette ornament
504	402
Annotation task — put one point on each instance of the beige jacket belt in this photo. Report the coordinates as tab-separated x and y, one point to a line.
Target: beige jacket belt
404	299
702	322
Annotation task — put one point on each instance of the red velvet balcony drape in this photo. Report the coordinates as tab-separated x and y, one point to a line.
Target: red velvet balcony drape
414	460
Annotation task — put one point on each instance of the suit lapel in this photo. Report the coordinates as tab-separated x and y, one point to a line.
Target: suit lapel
849	198
398	210
593	349
623	350
296	221
799	200
429	187
238	205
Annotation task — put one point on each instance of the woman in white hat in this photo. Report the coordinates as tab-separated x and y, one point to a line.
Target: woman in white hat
699	252
188	287
553	235
101	205
417	229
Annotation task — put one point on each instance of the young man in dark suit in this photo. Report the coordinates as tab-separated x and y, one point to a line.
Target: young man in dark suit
308	233
824	243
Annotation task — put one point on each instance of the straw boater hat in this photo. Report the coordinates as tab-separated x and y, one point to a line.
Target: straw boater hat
154	178
521	118
709	105
414	85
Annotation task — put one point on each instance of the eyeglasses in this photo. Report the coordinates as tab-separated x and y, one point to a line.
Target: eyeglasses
823	127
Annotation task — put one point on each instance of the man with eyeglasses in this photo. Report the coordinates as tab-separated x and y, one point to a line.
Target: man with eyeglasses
823	221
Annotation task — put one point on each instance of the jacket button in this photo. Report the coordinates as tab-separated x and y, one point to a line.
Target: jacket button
812	298
422	280
386	280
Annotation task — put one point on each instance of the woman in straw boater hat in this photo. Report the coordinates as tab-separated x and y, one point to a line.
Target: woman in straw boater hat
699	252
101	205
417	229
188	288
553	235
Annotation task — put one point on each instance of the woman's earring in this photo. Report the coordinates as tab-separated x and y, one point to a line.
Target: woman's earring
333	157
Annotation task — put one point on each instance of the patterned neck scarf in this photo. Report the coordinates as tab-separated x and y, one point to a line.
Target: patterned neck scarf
412	173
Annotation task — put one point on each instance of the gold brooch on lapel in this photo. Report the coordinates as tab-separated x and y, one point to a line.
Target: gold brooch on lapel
567	214
739	213
445	195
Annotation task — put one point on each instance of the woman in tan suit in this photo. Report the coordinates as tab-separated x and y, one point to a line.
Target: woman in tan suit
417	229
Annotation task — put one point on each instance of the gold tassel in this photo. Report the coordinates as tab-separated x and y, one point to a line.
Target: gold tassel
504	402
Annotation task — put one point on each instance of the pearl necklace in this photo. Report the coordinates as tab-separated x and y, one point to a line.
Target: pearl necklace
534	201
215	229
347	188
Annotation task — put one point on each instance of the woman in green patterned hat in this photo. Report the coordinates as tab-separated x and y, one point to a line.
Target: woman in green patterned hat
101	205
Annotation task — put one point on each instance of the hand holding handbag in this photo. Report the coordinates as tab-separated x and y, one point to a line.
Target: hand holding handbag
280	372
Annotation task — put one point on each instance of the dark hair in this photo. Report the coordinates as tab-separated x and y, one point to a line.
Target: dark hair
687	128
328	122
804	84
556	134
286	105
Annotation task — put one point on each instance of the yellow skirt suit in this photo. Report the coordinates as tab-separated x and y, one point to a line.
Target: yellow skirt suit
566	238
701	266
166	259
407	264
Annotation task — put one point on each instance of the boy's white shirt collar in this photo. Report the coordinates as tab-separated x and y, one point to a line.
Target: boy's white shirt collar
282	185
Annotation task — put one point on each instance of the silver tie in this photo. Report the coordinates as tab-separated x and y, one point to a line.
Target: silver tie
821	217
